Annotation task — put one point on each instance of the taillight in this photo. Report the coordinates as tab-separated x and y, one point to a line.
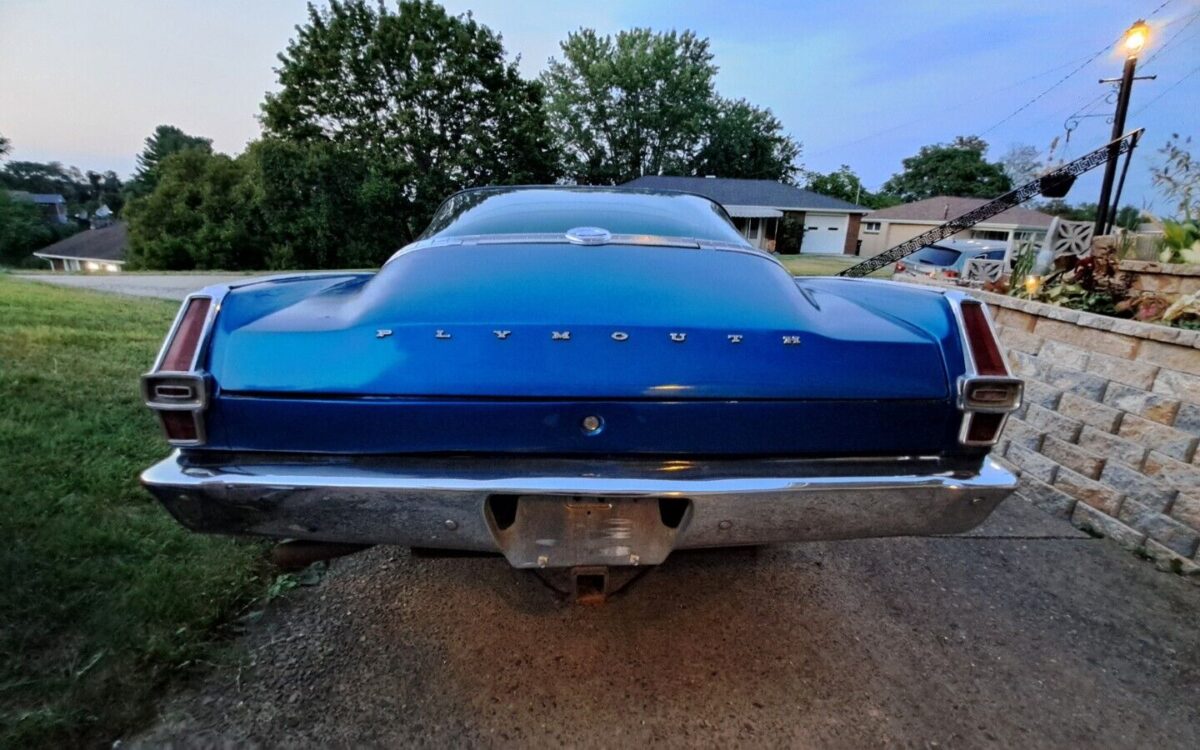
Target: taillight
984	348
987	392
900	267
950	274
182	349
180	425
175	389
983	429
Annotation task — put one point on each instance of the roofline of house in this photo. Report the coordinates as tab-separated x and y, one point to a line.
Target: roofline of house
935	223
863	211
48	256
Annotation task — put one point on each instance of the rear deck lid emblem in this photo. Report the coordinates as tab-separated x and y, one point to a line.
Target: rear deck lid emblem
588	236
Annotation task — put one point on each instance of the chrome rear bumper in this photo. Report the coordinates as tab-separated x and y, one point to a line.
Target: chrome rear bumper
450	503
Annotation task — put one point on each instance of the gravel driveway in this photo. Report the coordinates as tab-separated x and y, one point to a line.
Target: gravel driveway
1024	633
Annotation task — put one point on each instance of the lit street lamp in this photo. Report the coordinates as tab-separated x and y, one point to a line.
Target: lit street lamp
1132	43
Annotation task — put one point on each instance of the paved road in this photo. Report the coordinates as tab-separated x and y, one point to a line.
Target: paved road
1024	633
166	286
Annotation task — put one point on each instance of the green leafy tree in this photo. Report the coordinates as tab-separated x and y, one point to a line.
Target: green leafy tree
843	183
741	140
634	104
23	230
958	169
38	177
326	205
427	97
105	188
83	192
5	146
164	141
202	214
1128	217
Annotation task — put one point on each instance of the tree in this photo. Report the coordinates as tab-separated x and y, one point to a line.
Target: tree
1021	163
22	230
38	177
638	103
5	146
427	96
957	169
741	140
1128	217
164	141
202	213
846	185
325	205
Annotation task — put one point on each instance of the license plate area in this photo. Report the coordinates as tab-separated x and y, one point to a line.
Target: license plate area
563	531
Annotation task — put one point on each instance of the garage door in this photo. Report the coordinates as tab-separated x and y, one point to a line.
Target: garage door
825	233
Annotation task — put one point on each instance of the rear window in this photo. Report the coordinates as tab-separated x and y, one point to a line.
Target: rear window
937	256
554	210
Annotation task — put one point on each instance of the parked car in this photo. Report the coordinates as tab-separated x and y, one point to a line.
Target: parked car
579	377
948	259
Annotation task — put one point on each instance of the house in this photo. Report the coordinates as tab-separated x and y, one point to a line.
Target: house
890	226
103	217
90	250
52	205
830	225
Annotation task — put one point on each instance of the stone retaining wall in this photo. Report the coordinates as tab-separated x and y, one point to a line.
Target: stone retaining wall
1164	278
1108	433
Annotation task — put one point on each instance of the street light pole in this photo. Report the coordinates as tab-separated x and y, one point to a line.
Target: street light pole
1135	38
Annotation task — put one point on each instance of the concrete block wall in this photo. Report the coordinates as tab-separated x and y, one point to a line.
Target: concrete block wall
1108	435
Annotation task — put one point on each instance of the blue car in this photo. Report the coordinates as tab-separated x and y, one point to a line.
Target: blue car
581	379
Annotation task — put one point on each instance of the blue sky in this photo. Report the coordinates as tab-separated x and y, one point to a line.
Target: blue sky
864	84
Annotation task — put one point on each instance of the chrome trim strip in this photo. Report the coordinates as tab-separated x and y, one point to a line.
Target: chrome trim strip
554	238
442	502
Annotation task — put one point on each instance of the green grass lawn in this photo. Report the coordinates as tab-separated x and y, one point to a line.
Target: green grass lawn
825	265
105	598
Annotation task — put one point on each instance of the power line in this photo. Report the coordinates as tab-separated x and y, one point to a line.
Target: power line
925	117
1165	91
1174	36
1064	79
1053	86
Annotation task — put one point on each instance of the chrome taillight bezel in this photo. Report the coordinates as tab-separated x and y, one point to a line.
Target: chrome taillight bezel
967	401
185	391
971	378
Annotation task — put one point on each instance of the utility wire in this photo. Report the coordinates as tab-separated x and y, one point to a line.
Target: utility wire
1156	10
925	117
1053	86
1064	79
1174	36
1167	90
